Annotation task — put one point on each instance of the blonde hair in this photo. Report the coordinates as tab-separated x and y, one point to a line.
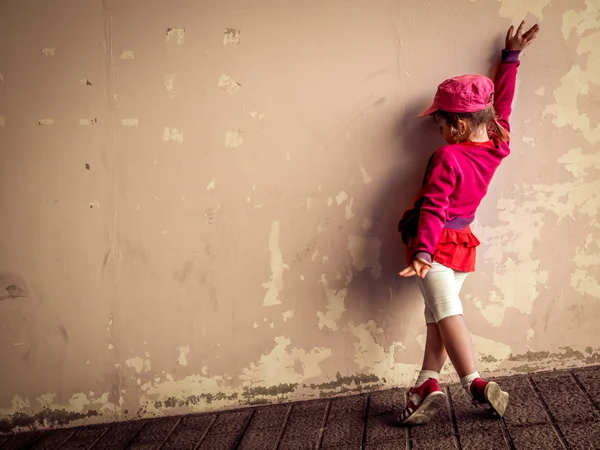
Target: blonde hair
474	120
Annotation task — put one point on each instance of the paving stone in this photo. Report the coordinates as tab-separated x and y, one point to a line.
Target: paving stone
391	401
264	439
268	417
153	433
537	436
21	441
343	447
230	423
53	440
483	441
308	408
382	429
220	442
119	435
189	432
590	379
524	407
386	446
308	443
442	443
581	436
348	407
472	419
564	398
84	437
339	432
302	425
440	425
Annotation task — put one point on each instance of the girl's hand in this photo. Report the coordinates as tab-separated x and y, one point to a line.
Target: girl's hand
520	40
418	267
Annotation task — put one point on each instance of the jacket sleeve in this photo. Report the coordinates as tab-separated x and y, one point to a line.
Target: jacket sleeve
440	184
504	86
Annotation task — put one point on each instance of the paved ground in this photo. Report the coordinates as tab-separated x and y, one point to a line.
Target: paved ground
548	411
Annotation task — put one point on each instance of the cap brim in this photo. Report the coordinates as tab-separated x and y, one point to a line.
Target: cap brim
429	111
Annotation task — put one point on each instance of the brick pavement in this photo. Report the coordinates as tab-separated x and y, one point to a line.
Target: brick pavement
556	410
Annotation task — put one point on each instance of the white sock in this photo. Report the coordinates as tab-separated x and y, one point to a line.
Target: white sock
425	375
466	380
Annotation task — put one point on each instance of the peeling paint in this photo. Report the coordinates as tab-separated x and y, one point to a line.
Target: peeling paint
234	138
335	305
170	85
175	35
173	135
275	285
183	352
127	54
130	122
365	176
228	84
49	51
231	36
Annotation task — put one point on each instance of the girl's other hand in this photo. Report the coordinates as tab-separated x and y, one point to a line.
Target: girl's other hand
418	267
520	40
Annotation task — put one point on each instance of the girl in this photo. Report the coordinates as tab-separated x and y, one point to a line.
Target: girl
472	112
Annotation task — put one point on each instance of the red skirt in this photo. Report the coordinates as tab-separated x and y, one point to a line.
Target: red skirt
456	249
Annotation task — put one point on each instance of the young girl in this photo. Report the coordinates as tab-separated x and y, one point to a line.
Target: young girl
472	112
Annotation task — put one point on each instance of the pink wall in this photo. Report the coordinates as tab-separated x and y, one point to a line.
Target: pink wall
197	219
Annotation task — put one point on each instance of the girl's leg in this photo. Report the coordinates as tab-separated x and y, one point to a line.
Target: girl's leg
435	353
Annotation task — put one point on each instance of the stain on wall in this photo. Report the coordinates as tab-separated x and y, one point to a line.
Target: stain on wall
200	199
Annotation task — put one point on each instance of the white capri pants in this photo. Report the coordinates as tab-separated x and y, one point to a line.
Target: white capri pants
440	289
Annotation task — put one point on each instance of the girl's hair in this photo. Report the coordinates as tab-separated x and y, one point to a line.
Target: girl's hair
474	120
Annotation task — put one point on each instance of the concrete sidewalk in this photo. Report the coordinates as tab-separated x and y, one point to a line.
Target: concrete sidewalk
558	410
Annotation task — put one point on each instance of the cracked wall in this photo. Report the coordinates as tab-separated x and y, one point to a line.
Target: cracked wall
200	199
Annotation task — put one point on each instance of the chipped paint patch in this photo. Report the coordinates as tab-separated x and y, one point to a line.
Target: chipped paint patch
45	122
138	364
578	163
234	138
2	121
341	198
348	214
335	305
49	51
287	315
1	78
228	84
371	356
485	347
231	36
275	285
173	135
518	8
257	115
529	141
540	91
211	185
130	122
127	54
85	82
175	35
170	85
184	350
365	176
283	365
579	80
86	122
365	253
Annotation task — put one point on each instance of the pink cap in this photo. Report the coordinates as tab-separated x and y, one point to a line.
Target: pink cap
467	93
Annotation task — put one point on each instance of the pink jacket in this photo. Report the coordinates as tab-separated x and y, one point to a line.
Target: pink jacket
458	175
